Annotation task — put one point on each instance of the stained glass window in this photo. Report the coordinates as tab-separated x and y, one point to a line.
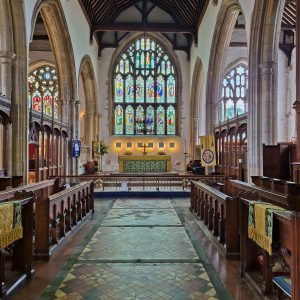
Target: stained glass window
144	90
234	93
43	90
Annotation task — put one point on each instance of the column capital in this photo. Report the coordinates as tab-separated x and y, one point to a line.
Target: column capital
267	67
8	55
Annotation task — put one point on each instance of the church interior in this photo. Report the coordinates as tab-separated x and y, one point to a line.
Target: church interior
150	149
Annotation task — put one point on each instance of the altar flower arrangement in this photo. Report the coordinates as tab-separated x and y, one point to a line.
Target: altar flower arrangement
127	153
161	153
102	149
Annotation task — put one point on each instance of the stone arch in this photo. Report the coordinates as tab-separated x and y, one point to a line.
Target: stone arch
128	39
86	70
227	17
57	29
89	112
240	60
197	90
262	112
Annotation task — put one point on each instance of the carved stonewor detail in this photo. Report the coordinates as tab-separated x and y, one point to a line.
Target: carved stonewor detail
33	133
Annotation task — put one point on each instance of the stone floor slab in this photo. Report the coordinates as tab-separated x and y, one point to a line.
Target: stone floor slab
138	217
137	281
145	243
146	203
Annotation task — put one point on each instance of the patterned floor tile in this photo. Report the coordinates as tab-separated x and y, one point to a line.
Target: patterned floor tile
132	243
146	203
136	281
139	217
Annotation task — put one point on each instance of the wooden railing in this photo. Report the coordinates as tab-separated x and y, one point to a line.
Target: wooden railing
219	213
41	189
151	182
21	258
289	201
286	237
59	214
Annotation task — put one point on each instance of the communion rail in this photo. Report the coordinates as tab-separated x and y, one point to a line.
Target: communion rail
143	182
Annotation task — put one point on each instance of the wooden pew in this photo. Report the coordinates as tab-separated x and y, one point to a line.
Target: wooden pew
21	260
286	235
290	201
41	189
59	214
219	214
275	185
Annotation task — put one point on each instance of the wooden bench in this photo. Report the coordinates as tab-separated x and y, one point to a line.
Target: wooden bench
40	189
290	201
59	214
286	237
219	214
21	257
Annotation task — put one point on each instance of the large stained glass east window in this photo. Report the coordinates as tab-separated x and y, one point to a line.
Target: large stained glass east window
43	91
234	93
144	90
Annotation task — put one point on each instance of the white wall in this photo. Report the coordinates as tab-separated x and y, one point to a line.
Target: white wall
286	90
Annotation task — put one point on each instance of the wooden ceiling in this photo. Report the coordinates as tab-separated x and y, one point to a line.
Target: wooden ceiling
289	15
180	24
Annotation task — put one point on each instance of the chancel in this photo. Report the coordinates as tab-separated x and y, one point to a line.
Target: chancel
146	137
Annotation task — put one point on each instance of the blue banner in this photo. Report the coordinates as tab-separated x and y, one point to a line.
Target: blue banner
76	144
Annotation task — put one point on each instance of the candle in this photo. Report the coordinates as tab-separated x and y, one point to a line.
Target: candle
185	146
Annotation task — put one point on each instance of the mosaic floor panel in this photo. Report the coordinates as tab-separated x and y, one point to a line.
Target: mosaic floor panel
145	203
132	243
141	250
141	217
137	281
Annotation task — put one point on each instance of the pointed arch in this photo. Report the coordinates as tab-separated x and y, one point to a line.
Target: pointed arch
227	17
167	46
86	70
57	29
262	113
89	118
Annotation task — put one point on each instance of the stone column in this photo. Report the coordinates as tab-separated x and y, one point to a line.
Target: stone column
268	103
297	102
6	60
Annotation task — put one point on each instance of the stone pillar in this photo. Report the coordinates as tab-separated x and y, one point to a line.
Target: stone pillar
6	60
97	119
297	102
268	103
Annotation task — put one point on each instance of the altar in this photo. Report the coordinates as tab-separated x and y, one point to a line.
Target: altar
144	163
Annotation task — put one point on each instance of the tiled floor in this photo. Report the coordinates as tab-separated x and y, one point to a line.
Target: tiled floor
138	249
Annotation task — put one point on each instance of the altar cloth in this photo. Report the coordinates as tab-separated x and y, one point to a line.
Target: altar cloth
144	163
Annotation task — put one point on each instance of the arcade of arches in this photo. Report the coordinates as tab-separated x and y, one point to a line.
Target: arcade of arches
77	72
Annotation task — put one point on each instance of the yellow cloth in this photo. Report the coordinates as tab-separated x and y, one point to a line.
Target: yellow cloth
260	233
8	233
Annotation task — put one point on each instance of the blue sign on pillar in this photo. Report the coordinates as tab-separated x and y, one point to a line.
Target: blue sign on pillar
76	144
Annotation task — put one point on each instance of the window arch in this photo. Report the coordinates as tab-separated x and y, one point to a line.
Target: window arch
43	90
144	90
234	92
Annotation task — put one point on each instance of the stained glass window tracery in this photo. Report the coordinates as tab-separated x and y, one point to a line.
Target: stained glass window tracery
144	90
234	92
43	90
